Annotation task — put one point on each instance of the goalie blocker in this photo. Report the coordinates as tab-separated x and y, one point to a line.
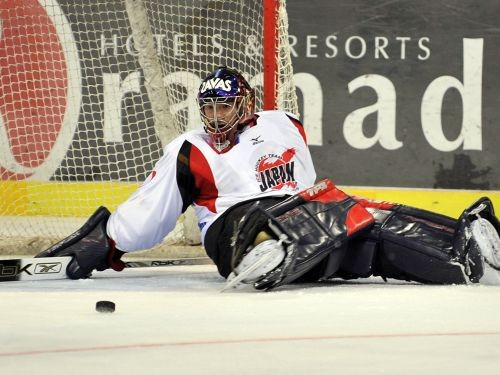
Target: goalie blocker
90	248
327	234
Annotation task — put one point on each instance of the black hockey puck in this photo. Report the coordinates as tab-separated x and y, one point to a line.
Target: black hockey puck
105	306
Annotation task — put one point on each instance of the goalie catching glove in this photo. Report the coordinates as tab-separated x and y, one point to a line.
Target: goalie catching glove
90	248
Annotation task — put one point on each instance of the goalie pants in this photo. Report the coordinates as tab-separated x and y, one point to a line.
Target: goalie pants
405	243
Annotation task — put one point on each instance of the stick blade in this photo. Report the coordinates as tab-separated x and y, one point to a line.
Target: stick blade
31	269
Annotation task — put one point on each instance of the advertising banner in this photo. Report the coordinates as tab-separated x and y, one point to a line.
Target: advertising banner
393	94
407	92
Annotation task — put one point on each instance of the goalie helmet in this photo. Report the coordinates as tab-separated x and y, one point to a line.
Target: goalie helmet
225	100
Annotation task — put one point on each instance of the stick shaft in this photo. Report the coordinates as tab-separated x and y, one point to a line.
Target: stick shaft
54	268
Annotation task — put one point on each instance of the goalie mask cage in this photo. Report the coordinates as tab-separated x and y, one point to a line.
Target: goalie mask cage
92	90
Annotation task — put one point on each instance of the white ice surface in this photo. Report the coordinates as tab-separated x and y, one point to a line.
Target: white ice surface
174	320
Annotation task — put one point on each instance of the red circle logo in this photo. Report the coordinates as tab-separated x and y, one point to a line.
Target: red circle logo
36	53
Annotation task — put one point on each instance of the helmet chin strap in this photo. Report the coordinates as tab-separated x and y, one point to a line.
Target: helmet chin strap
223	141
220	141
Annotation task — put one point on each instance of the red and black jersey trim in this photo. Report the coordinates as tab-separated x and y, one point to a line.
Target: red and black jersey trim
185	179
194	178
299	127
252	121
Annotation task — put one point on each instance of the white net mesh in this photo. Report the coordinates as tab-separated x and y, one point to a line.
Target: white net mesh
85	107
286	94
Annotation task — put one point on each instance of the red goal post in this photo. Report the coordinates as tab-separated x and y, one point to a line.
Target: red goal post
270	52
92	90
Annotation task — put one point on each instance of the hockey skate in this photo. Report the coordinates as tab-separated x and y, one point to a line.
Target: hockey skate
477	235
260	260
485	239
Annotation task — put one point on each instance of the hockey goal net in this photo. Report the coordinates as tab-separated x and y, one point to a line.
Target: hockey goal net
92	90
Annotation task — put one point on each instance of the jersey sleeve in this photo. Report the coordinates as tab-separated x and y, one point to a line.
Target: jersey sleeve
298	125
151	212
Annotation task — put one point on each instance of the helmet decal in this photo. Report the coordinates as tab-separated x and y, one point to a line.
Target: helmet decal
216	84
225	100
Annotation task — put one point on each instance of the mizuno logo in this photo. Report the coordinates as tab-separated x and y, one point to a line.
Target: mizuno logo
256	140
216	83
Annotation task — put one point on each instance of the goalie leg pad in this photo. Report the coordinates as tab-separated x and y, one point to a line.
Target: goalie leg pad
310	230
359	259
407	263
410	244
417	245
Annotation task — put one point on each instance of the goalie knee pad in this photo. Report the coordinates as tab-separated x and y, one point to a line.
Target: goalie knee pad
312	225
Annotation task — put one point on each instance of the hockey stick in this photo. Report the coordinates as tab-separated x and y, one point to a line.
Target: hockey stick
168	262
54	268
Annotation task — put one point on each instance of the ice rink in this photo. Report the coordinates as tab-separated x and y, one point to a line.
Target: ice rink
174	320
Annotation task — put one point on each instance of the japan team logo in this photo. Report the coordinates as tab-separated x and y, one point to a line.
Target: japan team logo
40	90
274	172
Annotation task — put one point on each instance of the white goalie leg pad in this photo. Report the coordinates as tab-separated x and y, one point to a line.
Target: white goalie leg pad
486	237
263	258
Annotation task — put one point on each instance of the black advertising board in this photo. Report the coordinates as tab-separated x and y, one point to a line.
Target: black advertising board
407	92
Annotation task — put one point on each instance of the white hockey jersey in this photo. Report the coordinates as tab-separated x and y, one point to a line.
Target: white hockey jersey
270	158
